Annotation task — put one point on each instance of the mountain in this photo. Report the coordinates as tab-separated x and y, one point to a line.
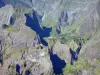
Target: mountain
49	37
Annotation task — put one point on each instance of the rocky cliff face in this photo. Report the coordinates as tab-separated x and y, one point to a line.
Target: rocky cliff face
5	14
46	37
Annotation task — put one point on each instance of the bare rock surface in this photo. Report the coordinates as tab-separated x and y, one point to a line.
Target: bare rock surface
5	14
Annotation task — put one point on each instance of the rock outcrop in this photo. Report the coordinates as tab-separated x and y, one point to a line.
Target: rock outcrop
5	14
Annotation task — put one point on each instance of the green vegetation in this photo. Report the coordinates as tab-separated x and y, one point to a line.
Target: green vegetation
12	70
77	67
73	45
13	54
31	32
10	29
53	33
97	71
82	65
48	22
